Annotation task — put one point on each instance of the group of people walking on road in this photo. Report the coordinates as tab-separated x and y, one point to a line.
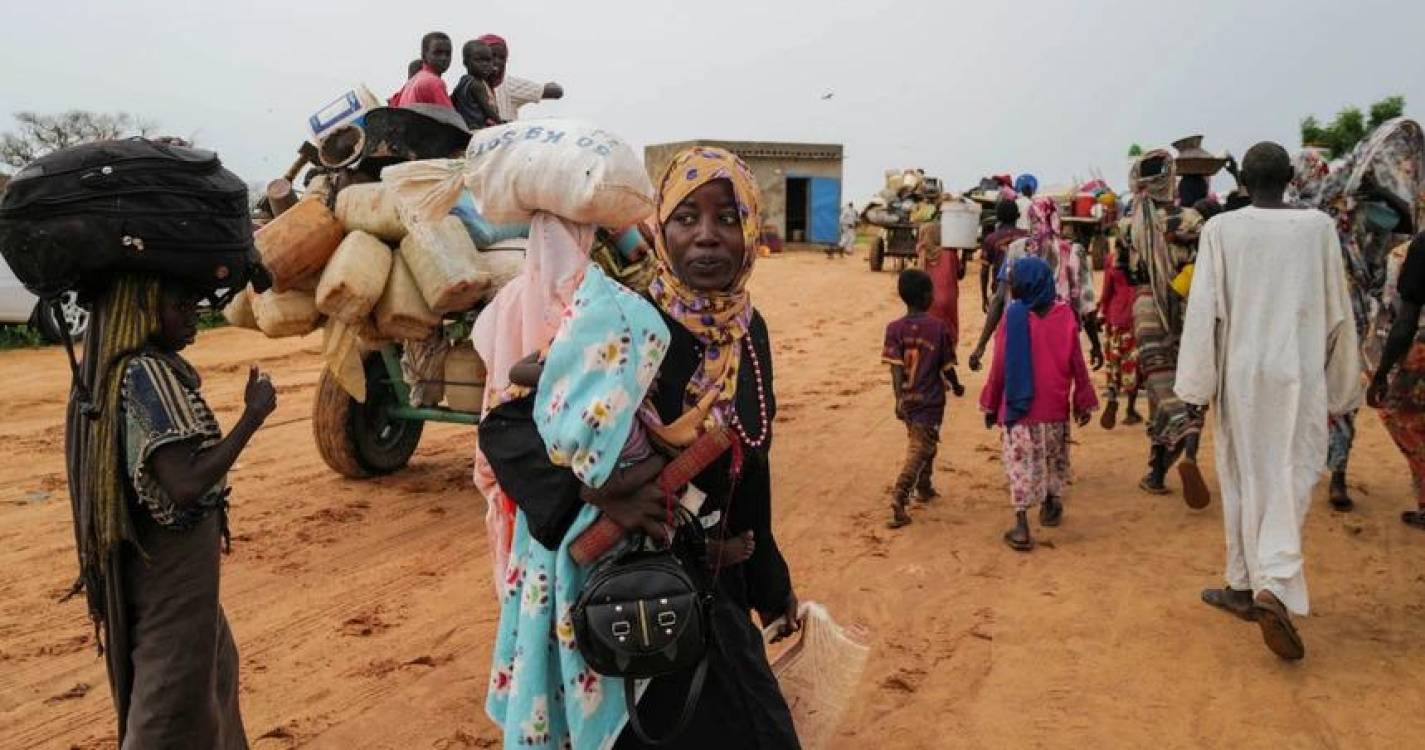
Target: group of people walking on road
1252	316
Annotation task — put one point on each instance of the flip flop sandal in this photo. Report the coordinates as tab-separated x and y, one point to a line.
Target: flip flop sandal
1150	489
1414	518
1051	515
1016	545
1195	492
1221	599
898	520
1109	420
1277	631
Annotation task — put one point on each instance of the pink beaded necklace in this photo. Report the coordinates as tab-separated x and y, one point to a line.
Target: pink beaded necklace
761	439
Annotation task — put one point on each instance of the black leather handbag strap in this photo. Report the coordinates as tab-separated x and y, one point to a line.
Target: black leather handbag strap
695	692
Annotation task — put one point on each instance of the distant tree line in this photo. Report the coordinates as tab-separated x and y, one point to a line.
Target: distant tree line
1338	137
36	135
1349	127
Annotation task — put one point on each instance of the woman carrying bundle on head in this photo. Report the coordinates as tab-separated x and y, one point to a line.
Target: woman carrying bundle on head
1164	236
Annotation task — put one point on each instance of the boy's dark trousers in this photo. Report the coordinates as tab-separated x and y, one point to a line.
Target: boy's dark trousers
919	462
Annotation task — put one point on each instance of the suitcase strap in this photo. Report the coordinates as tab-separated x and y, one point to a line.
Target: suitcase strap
86	403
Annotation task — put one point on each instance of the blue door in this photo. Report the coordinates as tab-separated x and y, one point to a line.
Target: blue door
825	204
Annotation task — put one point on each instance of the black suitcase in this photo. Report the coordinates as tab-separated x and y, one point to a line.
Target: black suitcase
71	219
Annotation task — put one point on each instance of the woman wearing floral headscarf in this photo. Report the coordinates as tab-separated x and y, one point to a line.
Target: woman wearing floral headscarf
716	373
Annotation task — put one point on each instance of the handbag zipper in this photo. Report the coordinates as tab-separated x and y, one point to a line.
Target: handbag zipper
643	623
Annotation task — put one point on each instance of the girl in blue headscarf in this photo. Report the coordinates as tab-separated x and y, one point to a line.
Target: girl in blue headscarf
1038	372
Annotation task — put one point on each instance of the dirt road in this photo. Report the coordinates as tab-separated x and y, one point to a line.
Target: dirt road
363	610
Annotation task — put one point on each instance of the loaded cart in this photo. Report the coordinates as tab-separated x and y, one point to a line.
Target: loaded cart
371	401
893	240
398	244
958	219
407	384
894	216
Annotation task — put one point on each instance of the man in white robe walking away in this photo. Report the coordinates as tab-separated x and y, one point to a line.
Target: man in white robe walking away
1270	341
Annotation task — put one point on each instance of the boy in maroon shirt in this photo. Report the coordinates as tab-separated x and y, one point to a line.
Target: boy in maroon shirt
921	355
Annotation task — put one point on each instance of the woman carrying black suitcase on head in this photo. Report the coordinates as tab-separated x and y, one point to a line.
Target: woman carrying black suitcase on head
145	229
148	473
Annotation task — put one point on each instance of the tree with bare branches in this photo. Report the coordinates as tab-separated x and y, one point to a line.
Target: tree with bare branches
37	134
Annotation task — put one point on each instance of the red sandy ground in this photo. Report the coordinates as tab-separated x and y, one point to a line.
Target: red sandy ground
363	610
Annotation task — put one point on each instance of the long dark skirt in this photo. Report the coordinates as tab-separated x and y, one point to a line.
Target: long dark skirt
172	658
742	706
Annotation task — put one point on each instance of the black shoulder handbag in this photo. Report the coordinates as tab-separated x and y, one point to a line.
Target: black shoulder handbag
644	615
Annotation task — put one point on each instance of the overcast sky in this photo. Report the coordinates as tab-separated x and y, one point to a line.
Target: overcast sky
960	89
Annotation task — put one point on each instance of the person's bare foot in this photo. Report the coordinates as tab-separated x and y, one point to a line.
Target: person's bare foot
927	496
1132	418
899	516
736	550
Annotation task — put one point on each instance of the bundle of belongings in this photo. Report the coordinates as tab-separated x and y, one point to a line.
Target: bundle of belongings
909	197
70	219
371	267
74	220
1376	194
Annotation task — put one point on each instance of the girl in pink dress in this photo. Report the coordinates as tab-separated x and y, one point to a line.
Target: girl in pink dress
1038	373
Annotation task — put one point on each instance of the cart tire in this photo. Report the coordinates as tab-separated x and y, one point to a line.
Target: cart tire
878	254
74	319
358	440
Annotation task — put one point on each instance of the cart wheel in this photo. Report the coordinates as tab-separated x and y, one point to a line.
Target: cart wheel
362	440
878	254
73	318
